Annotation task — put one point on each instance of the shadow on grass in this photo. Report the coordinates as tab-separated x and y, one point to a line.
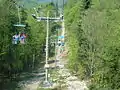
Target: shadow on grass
19	82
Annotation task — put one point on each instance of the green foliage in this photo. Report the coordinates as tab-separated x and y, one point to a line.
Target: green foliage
17	58
93	40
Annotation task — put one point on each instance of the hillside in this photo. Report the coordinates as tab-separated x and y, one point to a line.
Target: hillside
34	3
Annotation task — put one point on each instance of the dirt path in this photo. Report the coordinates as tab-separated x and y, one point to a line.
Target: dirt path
32	86
72	82
33	80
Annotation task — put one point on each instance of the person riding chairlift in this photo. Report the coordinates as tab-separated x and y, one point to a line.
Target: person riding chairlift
15	39
59	43
22	38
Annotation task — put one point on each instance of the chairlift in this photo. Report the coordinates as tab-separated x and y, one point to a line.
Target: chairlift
21	37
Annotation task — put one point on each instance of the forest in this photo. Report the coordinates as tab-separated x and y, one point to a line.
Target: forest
16	58
92	38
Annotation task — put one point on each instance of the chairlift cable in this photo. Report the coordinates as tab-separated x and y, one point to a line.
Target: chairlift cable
19	17
19	14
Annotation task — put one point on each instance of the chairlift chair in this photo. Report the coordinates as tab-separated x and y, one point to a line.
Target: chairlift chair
21	37
19	25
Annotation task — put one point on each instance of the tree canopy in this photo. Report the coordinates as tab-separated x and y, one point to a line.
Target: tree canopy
93	37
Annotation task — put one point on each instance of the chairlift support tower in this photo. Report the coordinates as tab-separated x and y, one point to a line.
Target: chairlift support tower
47	19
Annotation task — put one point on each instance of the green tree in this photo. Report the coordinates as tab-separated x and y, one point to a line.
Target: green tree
93	40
